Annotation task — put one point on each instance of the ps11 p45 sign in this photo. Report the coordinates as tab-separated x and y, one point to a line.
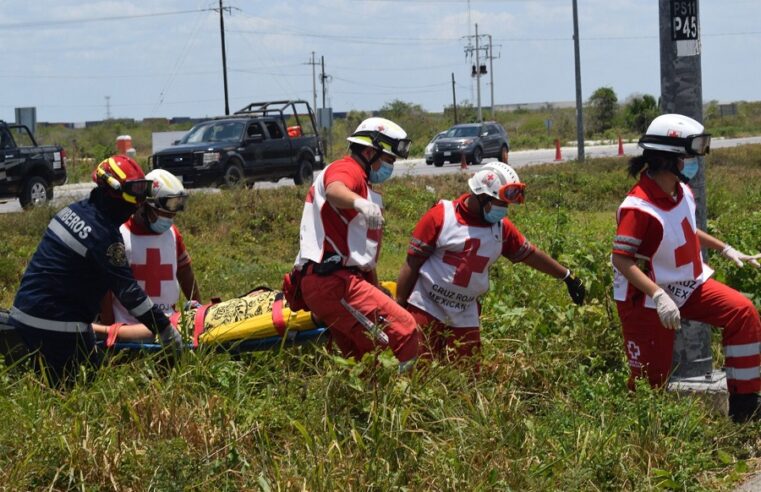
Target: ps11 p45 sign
685	27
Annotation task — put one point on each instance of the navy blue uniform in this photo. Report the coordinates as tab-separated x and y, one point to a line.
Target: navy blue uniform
80	257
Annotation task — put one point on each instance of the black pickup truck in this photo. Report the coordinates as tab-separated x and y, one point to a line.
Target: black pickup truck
264	141
28	171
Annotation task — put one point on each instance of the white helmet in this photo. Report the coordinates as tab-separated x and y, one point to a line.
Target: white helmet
167	192
382	134
677	134
498	180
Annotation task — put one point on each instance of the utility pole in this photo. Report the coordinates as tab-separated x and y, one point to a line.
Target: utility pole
322	79
477	71
454	100
314	83
579	102
478	79
108	107
224	53
491	75
682	92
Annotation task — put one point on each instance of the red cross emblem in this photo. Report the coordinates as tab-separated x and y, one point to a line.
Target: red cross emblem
381	128
466	262
489	179
673	133
153	272
689	252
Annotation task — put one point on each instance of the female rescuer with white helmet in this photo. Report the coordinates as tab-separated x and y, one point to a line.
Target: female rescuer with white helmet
659	272
158	258
341	232
448	259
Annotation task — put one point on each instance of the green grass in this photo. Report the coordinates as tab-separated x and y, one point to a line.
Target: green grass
548	411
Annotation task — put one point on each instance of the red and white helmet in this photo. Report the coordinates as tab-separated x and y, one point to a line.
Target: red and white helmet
123	179
382	134
498	180
677	134
167	193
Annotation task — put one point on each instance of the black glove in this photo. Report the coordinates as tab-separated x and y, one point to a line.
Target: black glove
575	289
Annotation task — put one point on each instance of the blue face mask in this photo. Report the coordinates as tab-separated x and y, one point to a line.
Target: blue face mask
495	214
382	174
162	224
691	167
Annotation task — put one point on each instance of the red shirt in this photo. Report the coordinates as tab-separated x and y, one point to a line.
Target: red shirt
639	229
515	247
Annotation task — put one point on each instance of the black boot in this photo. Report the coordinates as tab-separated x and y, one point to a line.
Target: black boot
743	408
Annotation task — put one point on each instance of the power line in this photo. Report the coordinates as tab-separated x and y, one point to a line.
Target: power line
23	25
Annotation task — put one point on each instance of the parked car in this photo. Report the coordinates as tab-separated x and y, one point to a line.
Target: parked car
264	141
429	148
28	171
475	140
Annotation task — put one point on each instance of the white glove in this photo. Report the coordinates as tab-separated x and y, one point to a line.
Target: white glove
667	309
171	339
731	253
370	211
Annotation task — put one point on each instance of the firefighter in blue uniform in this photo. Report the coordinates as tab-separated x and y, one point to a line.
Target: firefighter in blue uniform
80	257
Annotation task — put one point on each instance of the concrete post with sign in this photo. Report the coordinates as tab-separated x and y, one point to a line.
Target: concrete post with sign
682	92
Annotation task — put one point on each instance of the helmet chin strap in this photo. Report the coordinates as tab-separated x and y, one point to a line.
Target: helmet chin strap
674	169
368	162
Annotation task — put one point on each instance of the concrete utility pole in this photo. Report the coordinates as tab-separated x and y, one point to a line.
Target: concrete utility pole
579	102
224	53
478	79
682	92
322	79
454	100
469	49
314	83
491	75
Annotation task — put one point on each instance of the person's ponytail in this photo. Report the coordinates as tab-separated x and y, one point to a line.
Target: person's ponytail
636	164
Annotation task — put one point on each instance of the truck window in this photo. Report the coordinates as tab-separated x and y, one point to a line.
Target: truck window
254	129
22	137
274	129
5	139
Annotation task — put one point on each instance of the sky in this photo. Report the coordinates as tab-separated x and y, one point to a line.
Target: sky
79	60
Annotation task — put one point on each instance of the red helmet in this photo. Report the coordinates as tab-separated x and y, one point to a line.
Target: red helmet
123	178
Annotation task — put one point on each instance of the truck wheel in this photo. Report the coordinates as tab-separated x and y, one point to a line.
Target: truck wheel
478	155
37	191
305	174
438	162
233	176
503	153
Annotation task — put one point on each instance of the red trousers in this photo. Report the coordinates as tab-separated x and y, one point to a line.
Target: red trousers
649	345
443	341
323	295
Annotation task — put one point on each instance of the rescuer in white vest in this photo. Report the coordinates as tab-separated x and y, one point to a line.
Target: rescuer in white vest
659	272
158	258
448	259
340	241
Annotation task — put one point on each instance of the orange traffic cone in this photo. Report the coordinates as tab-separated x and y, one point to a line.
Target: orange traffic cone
558	157
620	146
463	162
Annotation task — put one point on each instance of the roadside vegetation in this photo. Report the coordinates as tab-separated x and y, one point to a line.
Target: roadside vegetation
549	409
606	118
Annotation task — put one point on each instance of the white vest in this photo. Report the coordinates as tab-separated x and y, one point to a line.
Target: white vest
674	264
363	248
153	259
452	279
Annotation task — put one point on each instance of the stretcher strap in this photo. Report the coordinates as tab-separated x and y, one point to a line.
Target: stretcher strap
277	315
113	332
198	322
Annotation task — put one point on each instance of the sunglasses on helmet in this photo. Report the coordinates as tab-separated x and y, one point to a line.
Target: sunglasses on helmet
693	144
512	193
169	203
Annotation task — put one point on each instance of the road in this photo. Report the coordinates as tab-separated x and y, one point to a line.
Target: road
415	167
